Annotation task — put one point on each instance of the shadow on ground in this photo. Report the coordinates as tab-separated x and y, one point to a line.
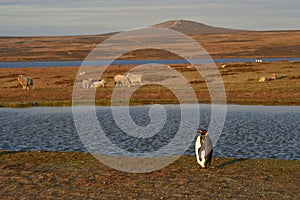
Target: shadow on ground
231	162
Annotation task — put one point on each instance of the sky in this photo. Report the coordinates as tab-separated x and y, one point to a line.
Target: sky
77	17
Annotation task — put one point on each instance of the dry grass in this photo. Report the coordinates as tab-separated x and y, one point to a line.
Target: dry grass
241	79
251	44
231	45
57	175
55	84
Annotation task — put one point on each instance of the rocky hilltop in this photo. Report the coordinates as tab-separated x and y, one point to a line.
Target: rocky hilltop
191	27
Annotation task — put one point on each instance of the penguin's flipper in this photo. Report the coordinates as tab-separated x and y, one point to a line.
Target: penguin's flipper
200	155
202	158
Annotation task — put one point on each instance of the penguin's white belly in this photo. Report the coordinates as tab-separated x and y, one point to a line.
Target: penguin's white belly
201	157
197	147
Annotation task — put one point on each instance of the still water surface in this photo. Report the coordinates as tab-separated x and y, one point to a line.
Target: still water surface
249	131
131	62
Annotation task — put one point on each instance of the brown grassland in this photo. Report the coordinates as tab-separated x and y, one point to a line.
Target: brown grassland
253	44
54	175
54	85
70	175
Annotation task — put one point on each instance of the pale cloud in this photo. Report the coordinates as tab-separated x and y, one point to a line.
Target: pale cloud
111	10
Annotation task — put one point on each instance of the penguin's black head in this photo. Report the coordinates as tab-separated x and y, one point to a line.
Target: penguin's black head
203	132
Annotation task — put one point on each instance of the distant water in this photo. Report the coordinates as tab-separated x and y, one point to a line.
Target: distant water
249	131
130	62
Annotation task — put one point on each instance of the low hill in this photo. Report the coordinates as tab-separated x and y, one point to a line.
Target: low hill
218	42
191	27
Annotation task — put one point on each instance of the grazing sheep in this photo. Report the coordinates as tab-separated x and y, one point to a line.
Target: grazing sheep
101	83
82	73
273	77
263	79
124	81
87	83
117	78
135	78
26	82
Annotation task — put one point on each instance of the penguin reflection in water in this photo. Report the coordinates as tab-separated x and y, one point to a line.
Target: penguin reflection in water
203	148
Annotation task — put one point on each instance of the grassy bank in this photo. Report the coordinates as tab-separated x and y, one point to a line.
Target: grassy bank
143	102
97	103
57	175
35	104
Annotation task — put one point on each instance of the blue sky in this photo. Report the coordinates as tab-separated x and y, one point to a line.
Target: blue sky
73	17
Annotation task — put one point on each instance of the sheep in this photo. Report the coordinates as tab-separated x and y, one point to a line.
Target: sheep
135	78
263	79
273	77
124	81
101	83
26	82
117	78
87	83
82	73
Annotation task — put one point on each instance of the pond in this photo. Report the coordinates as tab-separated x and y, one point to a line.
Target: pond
248	132
76	63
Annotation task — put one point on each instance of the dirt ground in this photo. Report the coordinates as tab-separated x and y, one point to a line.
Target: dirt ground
253	44
54	85
53	175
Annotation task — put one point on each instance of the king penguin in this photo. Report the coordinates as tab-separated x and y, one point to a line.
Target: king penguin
203	148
